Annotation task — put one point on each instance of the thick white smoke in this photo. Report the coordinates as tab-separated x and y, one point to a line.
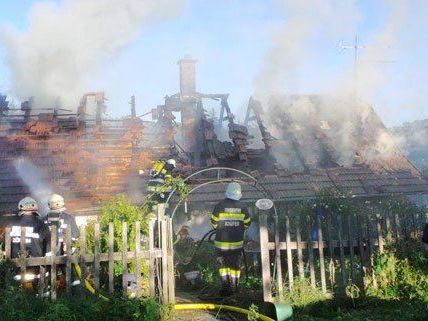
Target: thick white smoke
36	181
354	129
306	22
66	42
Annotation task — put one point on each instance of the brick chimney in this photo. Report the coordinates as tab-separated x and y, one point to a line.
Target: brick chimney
187	76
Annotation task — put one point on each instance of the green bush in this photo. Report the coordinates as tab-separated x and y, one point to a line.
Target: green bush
400	273
18	305
303	294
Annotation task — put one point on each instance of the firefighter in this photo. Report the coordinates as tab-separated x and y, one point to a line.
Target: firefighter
35	233
160	177
230	219
61	219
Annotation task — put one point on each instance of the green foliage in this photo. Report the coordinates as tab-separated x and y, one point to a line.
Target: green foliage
303	294
117	211
167	312
205	257
180	186
252	282
399	275
209	274
19	305
254	313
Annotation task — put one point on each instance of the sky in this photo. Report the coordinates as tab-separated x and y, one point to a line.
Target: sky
231	41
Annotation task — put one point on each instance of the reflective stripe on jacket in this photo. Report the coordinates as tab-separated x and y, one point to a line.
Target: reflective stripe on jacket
230	218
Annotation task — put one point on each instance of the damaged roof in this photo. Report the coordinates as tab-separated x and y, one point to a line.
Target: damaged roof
354	181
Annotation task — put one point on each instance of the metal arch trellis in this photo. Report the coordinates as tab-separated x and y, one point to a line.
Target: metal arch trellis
258	187
218	180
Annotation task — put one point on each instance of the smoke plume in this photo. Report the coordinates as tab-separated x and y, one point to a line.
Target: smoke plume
339	121
67	42
36	181
306	22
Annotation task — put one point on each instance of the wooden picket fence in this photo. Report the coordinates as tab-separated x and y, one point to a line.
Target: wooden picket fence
158	255
343	254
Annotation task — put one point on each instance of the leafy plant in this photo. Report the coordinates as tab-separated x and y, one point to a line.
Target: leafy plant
117	211
23	306
303	294
253	315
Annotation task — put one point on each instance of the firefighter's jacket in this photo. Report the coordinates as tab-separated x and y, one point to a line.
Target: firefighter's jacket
35	234
62	220
161	170
230	219
161	175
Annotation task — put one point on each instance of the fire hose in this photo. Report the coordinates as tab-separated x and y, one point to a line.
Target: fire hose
210	306
88	285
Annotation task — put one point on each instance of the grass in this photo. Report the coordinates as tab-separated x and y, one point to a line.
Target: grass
367	309
400	292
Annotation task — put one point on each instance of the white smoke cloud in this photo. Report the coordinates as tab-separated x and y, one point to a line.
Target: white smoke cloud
36	181
67	42
306	21
355	129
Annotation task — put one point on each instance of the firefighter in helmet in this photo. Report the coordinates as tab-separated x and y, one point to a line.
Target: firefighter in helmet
35	233
61	219
160	178
230	218
161	174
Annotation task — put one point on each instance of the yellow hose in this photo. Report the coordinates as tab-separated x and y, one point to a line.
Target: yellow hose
88	285
211	306
178	307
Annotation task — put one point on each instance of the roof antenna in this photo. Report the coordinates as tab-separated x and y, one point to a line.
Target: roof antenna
356	46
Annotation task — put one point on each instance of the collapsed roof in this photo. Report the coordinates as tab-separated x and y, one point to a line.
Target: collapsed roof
295	145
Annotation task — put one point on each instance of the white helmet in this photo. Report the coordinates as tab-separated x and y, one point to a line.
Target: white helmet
27	204
56	202
172	162
234	191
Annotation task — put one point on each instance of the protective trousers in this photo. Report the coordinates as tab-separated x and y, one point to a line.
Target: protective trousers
229	270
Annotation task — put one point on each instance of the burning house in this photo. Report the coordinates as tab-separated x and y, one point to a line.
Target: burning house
295	146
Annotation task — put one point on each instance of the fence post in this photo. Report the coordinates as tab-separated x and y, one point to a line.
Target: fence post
289	256
82	257
124	259
68	258
379	234
138	258
23	255
362	253
278	261
341	249
351	247
370	247
321	253
110	257
54	237
331	263
264	253
388	228
299	249
171	274
97	250
152	289
8	253
164	245
311	255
